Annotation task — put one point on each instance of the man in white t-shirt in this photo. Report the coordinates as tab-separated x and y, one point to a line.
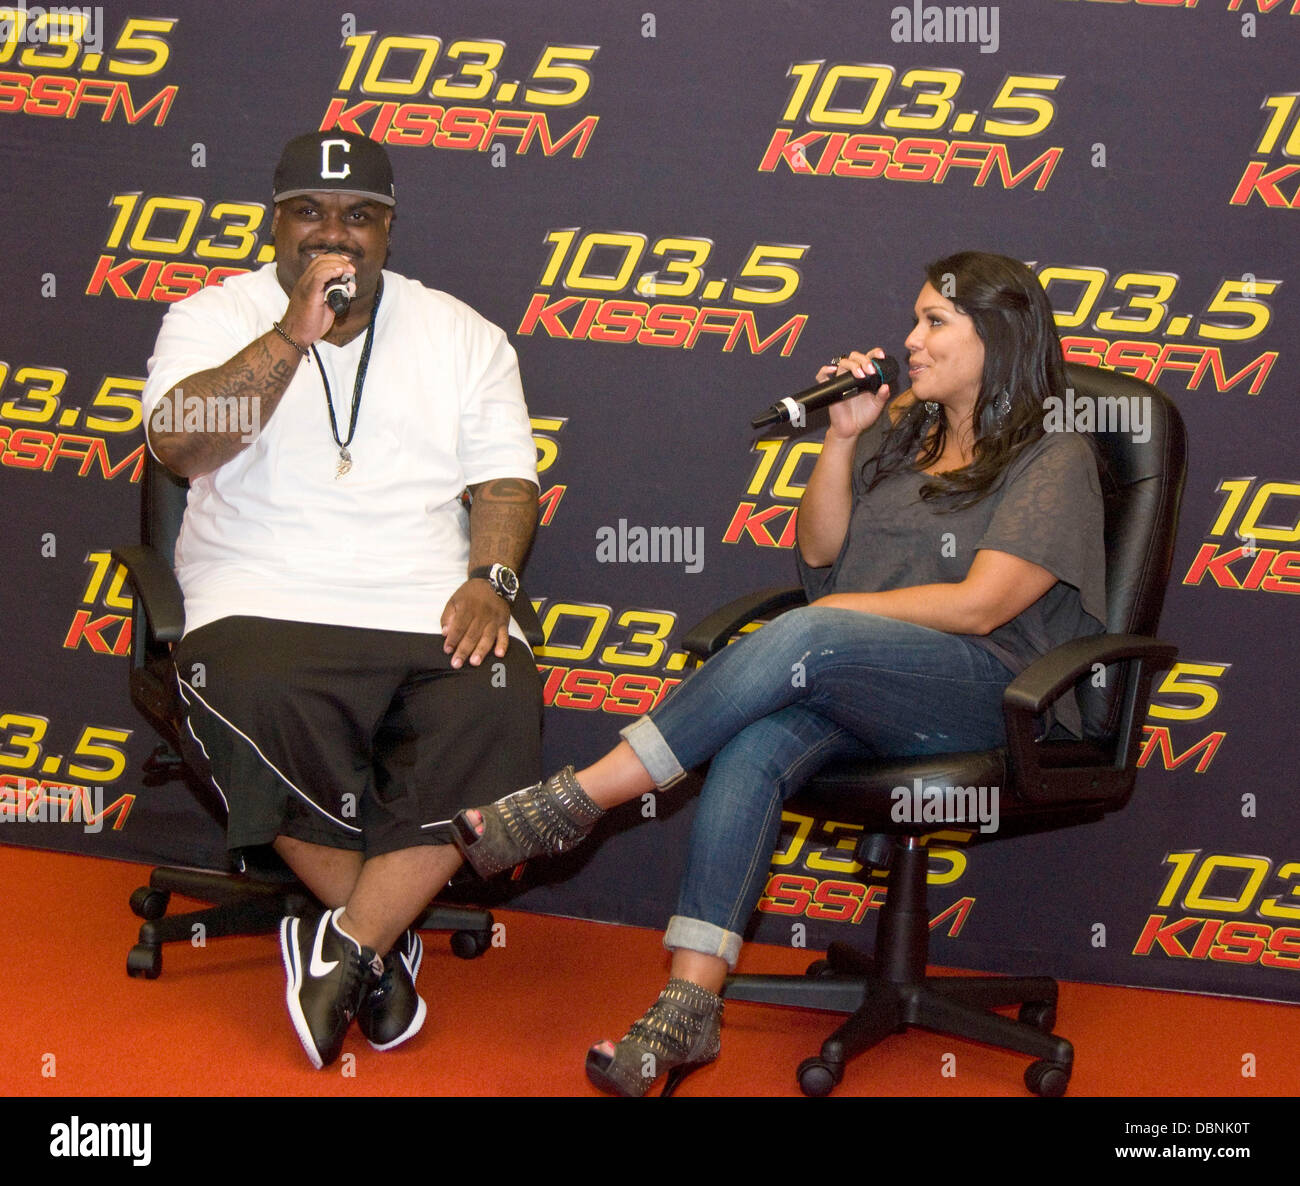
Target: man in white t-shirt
362	491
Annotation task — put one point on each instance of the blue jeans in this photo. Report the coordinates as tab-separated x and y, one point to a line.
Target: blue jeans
815	685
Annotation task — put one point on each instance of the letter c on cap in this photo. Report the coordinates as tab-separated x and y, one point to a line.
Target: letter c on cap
325	169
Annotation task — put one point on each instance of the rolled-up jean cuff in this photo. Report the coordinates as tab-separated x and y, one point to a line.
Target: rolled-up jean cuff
650	747
693	934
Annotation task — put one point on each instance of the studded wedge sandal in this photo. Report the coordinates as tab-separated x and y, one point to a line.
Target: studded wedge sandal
681	1032
551	817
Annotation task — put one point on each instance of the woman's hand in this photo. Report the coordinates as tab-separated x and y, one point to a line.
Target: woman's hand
852	417
827	501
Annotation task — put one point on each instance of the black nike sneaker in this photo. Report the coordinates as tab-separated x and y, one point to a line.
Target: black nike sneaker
328	974
392	1011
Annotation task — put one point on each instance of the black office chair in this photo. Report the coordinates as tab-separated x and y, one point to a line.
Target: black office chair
251	900
1046	783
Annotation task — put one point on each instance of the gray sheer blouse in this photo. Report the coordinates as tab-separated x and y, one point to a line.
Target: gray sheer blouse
1047	509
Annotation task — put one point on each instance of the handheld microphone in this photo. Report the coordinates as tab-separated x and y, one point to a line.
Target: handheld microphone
337	296
794	408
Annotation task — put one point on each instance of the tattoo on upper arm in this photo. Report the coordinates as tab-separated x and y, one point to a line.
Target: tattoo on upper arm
503	517
512	490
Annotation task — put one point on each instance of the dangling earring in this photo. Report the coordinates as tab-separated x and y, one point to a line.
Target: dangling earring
931	409
1002	406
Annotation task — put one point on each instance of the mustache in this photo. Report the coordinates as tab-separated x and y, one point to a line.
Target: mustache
331	249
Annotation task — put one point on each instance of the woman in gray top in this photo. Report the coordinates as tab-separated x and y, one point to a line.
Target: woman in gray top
945	539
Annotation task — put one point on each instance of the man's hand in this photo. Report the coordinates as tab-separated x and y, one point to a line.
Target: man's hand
308	318
475	622
502	519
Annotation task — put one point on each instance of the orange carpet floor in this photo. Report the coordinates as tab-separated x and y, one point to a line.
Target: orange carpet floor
516	1021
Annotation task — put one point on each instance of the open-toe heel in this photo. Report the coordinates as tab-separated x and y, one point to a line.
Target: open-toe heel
551	817
681	1032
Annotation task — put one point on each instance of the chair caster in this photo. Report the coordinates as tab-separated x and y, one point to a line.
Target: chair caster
149	904
1048	1079
468	945
1040	1014
818	1077
144	962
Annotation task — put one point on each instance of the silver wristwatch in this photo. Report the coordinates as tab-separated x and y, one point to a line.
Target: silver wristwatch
503	579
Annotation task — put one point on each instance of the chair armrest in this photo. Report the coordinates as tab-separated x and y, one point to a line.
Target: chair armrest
714	632
1111	772
156	589
1048	676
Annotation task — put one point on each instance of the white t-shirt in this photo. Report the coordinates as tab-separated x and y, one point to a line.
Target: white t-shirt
274	533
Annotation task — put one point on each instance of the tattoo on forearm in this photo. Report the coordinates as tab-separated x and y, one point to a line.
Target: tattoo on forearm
250	386
281	374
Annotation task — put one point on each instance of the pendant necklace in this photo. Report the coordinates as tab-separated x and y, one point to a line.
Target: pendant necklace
345	457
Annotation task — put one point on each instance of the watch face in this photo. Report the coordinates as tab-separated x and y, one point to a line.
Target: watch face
507	580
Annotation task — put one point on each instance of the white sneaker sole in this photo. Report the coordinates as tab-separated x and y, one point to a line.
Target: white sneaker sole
293	985
417	1022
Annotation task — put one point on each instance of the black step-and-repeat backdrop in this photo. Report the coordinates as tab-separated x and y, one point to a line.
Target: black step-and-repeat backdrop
679	212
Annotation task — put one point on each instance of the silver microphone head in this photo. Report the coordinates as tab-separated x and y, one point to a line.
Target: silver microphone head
337	296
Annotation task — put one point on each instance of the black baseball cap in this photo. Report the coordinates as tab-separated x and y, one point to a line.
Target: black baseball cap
340	162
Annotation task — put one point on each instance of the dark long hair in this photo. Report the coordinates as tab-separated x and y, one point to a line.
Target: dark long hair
1022	360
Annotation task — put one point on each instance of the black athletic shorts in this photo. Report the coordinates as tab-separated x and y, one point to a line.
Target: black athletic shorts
353	738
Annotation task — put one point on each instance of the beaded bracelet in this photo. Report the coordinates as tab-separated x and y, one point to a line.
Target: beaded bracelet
280	330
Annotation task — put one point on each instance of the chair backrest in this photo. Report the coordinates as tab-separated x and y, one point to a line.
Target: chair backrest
1142	453
162	507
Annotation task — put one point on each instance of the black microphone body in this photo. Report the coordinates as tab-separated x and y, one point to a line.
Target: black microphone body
337	296
792	409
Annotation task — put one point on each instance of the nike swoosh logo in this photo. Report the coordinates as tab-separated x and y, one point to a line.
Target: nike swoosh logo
412	959
319	967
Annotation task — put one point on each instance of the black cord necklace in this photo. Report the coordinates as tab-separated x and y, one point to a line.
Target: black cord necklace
345	458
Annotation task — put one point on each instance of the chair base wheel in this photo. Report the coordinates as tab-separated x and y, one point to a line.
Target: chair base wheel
150	904
818	1077
468	945
1040	1014
1048	1079
144	962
